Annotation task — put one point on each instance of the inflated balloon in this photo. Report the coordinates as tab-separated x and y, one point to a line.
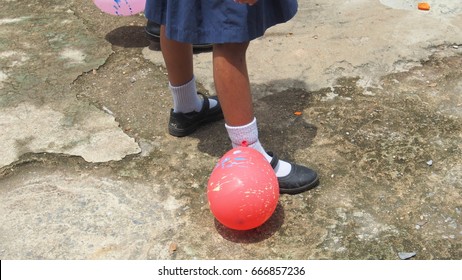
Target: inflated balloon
121	7
243	190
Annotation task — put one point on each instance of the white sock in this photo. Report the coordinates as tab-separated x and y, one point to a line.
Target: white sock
186	99
249	133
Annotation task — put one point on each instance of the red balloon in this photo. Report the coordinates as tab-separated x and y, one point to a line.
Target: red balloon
243	190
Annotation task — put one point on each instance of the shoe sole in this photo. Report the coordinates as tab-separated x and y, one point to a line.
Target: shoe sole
301	189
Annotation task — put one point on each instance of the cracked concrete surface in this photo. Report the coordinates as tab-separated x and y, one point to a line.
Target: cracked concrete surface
38	113
88	170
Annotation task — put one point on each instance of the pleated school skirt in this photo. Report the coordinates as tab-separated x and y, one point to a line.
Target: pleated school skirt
218	21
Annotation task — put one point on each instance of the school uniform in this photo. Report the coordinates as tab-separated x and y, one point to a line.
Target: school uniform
218	21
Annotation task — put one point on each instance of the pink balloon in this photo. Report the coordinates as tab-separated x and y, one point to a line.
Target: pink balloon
121	7
243	190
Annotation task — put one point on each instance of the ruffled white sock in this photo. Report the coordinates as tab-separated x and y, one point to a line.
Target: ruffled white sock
249	133
186	99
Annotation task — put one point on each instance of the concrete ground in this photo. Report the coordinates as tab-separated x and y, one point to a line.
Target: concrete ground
88	170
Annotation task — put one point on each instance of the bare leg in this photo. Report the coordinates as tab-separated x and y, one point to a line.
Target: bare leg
232	83
233	88
178	59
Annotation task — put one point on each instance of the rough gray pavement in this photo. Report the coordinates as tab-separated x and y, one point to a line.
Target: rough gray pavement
88	170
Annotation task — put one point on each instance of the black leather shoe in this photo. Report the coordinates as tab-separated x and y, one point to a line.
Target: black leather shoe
183	124
152	30
299	179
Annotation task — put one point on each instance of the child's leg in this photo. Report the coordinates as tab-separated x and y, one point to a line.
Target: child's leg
178	59
189	110
232	83
233	88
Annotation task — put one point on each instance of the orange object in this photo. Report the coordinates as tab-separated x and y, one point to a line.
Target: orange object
298	113
423	6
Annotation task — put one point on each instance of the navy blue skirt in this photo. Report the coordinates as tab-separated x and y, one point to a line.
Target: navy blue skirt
218	21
